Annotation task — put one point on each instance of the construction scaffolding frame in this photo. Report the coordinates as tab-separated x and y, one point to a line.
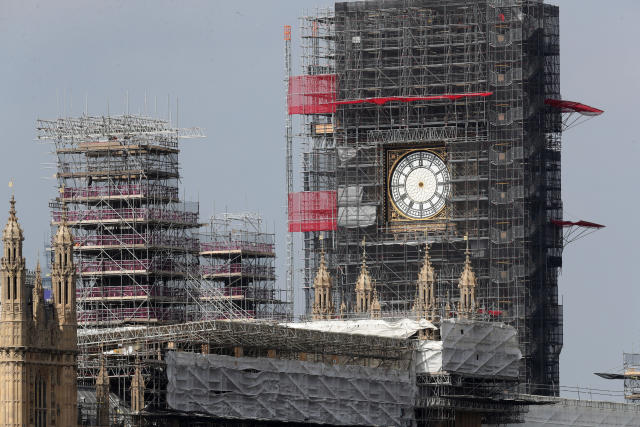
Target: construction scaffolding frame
502	149
237	263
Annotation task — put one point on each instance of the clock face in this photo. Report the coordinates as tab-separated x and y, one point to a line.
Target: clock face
419	184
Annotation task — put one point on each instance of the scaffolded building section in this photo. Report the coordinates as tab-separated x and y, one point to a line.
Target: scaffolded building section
134	238
468	79
228	366
237	264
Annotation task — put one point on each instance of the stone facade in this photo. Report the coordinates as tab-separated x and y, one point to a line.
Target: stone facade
38	346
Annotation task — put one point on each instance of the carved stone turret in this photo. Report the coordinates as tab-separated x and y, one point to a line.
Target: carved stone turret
425	303
364	287
63	283
323	300
467	285
16	320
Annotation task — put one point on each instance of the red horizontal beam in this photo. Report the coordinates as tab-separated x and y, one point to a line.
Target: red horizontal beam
384	100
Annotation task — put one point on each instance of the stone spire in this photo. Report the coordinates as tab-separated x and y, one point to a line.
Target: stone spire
12	231
323	301
376	310
363	285
425	304
467	286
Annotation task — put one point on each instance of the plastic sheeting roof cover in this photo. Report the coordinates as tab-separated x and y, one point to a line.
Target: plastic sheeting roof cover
403	328
289	390
569	412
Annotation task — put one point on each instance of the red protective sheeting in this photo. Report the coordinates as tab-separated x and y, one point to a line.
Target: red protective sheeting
313	211
384	100
580	223
312	94
573	107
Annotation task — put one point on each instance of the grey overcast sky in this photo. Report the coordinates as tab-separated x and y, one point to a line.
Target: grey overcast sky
224	61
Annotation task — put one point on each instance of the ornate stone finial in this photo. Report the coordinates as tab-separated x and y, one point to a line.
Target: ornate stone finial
363	286
102	395
12	209
424	306
137	389
376	310
467	285
37	295
64	213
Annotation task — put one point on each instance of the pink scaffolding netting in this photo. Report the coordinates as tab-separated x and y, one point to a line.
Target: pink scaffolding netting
313	211
312	94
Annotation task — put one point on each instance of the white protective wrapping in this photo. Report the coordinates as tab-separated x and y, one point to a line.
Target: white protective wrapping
428	357
569	412
403	328
357	217
289	390
480	348
350	195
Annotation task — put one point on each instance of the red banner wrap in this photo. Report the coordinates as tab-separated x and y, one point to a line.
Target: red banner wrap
313	211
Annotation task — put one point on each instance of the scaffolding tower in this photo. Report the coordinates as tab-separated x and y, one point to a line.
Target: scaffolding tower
237	263
468	78
134	238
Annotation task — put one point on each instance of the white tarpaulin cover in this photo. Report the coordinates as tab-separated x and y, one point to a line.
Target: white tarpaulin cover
289	390
428	357
361	216
403	328
480	348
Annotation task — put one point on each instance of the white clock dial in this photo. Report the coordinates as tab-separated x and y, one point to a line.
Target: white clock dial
419	185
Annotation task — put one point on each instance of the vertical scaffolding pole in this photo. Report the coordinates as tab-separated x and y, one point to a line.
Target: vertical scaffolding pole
289	160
